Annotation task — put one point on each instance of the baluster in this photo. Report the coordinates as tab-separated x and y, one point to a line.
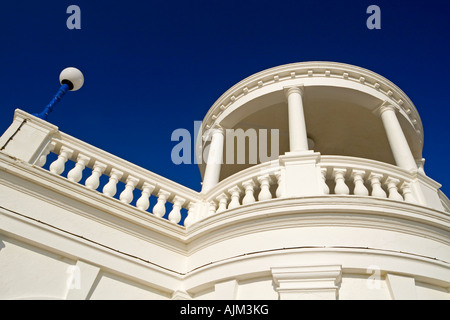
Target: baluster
94	180
375	181
248	187
340	187
160	209
127	194
420	166
223	200
191	215
43	157
264	182
235	195
144	202
175	214
280	181
76	173
110	188
325	188
358	179
57	167
407	193
211	208
392	187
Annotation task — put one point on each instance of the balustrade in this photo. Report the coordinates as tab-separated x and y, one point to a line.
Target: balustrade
337	175
259	183
98	164
375	182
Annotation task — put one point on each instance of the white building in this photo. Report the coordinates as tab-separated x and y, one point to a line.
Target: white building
345	212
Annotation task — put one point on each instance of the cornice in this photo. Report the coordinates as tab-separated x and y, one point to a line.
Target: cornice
314	69
258	264
251	264
330	210
133	221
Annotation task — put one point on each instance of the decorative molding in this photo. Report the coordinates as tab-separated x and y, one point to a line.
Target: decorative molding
307	282
312	69
300	89
401	287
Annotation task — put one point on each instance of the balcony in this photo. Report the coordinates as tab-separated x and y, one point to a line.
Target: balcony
94	209
291	176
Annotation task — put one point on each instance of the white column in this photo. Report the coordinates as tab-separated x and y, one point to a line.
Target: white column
214	161
397	140
298	140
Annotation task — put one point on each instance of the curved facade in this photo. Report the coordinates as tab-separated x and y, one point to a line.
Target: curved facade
341	209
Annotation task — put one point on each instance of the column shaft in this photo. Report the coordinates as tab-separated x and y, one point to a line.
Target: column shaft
397	140
298	140
214	161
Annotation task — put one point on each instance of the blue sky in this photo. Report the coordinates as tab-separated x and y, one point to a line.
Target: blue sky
152	67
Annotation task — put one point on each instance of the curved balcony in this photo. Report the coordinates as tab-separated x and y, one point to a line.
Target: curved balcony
331	108
332	176
293	175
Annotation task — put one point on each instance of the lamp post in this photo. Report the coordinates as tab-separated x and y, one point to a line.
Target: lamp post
71	79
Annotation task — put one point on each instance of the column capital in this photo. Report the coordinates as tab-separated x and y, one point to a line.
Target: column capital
212	131
385	106
300	89
217	129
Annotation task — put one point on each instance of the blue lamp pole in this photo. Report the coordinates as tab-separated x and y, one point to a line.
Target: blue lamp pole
71	79
49	108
